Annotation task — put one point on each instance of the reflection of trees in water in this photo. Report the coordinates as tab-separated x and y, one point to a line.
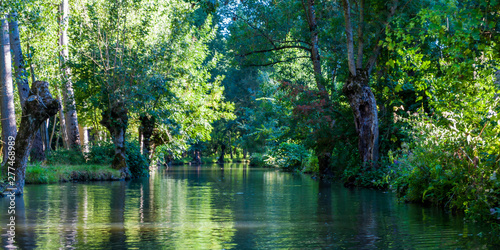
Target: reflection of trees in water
324	214
117	214
24	237
205	207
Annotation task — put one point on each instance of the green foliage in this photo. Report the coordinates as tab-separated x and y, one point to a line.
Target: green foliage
137	162
450	162
66	157
258	160
312	164
362	176
100	153
288	156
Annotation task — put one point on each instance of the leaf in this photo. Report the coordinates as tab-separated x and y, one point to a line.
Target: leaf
398	88
386	90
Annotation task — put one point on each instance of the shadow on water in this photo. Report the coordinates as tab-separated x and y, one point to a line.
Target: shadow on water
234	206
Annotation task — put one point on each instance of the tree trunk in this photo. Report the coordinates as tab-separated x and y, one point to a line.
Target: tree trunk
115	119
17	54
315	57
84	138
39	106
147	128
364	109
53	132
44	132
324	160
221	158
68	92
230	147
244	153
7	93
141	140
37	153
62	124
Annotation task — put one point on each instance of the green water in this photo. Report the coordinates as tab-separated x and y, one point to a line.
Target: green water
238	207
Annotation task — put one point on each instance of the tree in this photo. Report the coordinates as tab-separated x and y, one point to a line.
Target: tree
357	87
7	94
38	107
287	34
131	69
17	54
70	114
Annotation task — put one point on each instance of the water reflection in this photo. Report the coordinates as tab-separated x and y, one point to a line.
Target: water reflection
210	207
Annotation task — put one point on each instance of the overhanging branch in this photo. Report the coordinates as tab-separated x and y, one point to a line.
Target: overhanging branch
276	62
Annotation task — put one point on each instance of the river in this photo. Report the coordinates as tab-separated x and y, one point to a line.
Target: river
239	207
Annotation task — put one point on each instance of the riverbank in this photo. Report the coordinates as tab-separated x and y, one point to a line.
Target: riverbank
37	174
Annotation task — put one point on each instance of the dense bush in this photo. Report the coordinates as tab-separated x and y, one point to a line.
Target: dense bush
258	160
451	162
67	157
100	153
137	163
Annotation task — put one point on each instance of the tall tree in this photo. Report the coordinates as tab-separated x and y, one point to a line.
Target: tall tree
7	93
71	118
357	87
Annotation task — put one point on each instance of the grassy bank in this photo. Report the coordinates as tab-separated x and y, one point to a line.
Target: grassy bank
37	174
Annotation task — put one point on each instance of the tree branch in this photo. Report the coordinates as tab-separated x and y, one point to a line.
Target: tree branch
348	33
376	49
276	62
260	31
361	7
276	49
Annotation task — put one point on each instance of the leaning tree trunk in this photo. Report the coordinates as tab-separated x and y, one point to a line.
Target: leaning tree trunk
68	92
7	90
39	146
115	119
147	128
39	106
364	108
17	54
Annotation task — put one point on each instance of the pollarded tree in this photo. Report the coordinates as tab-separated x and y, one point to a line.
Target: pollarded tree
181	98
373	19
108	37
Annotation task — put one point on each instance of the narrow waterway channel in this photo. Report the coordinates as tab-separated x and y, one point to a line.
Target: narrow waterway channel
210	207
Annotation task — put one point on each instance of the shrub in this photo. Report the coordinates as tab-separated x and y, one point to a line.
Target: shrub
64	156
100	153
257	160
450	162
137	163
